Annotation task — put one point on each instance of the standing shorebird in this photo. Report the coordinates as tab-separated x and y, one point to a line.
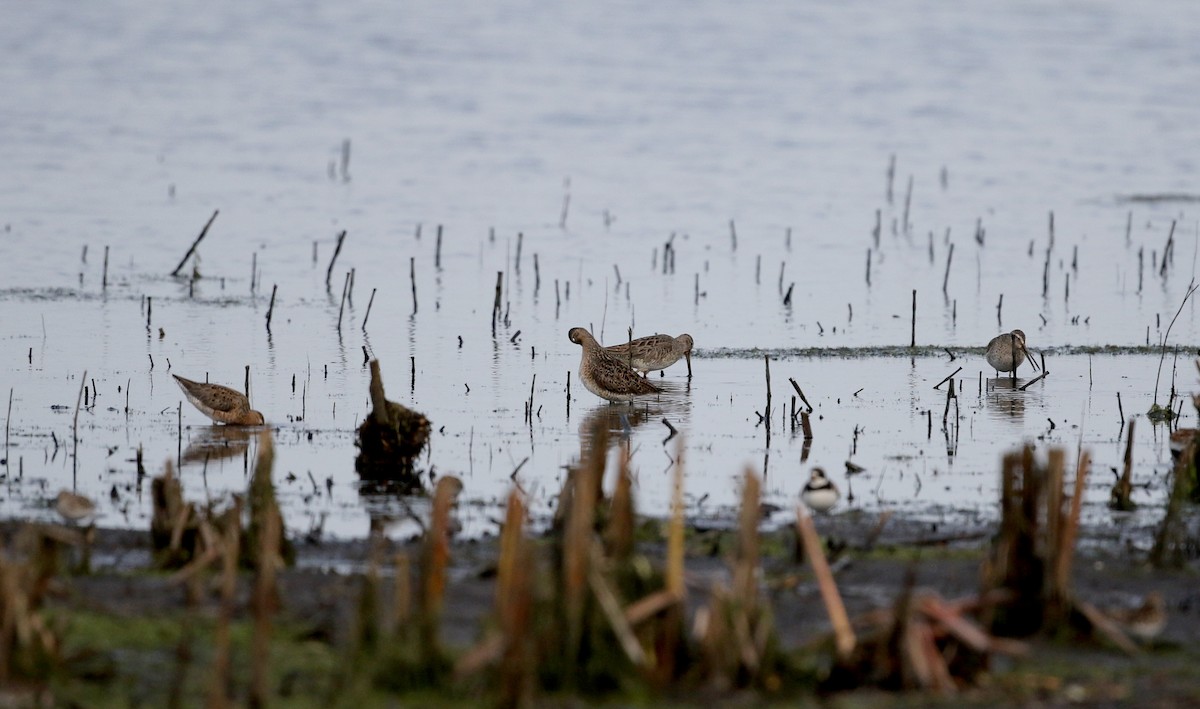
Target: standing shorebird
820	494
1146	621
1006	352
74	508
605	375
220	403
646	354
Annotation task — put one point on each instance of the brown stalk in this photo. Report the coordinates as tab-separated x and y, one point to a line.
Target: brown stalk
674	572
263	604
611	607
222	662
815	553
1066	551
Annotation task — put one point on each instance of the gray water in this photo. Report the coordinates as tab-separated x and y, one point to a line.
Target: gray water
127	125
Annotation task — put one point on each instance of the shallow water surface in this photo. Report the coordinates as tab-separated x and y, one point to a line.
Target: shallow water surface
685	167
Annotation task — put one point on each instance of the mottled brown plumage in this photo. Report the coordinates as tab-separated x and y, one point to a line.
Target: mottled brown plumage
72	507
220	403
605	375
1146	621
1006	352
654	352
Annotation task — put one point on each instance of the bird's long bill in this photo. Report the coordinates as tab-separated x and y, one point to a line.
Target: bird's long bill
688	356
1032	362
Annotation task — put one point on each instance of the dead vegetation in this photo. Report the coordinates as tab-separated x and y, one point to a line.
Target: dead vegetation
390	439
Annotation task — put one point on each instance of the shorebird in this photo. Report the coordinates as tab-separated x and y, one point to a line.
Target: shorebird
1144	622
646	354
605	375
73	508
820	494
220	403
1006	352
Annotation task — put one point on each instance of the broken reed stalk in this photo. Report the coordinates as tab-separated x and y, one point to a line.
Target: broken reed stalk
104	273
1168	251
514	602
434	562
263	604
270	308
1191	289
767	412
946	278
496	303
412	277
222	660
368	315
815	553
341	237
195	243
908	203
8	417
75	420
806	426
948	378
437	249
913	343
342	307
800	393
675	530
1070	529
1123	490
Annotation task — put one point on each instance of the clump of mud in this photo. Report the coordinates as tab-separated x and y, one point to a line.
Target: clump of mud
390	439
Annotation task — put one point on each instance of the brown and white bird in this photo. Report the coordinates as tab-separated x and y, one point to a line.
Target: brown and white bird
605	375
1006	352
1146	621
820	494
74	508
220	403
647	354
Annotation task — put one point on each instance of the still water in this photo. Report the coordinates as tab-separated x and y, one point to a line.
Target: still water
562	148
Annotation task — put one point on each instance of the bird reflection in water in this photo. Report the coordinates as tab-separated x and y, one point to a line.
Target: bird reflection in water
1006	400
218	443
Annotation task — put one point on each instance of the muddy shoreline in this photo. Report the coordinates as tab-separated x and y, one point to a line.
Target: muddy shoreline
320	596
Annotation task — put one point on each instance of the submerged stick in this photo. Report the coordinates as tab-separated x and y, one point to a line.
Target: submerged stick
336	250
369	302
914	319
946	278
271	307
195	243
496	303
800	393
342	307
412	276
948	378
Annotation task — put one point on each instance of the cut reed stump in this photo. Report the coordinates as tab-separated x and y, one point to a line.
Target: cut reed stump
390	439
1032	553
174	526
265	518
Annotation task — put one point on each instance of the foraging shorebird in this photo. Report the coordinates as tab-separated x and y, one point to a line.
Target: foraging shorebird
820	494
646	354
73	508
605	375
1144	622
1006	352
220	403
